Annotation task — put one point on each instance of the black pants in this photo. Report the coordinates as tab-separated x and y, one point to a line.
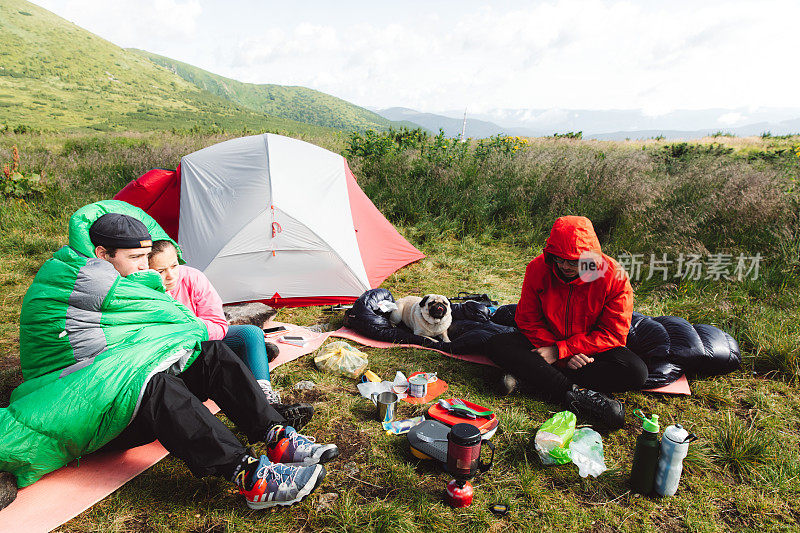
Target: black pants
615	370
172	411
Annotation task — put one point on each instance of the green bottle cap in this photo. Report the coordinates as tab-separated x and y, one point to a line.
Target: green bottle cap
648	424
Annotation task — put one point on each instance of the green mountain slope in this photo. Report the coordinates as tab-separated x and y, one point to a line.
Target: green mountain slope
56	75
295	103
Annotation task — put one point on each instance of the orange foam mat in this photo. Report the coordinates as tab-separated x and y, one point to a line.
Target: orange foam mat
346	333
67	492
290	352
70	490
680	386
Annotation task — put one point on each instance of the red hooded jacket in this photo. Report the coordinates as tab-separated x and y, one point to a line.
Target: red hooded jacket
588	315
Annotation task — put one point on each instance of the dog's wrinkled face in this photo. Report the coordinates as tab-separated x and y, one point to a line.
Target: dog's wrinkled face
434	306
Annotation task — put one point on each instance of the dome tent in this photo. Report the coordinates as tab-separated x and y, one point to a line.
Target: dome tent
273	219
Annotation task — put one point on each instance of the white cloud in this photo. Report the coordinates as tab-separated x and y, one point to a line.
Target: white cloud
731	119
587	54
132	24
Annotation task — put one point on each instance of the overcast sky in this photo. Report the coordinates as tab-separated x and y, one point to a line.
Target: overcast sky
443	55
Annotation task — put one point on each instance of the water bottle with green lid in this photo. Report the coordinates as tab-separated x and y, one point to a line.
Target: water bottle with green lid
645	457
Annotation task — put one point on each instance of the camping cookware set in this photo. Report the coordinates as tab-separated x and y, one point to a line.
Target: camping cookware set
455	430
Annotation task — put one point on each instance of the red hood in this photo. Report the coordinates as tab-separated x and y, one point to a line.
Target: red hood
572	236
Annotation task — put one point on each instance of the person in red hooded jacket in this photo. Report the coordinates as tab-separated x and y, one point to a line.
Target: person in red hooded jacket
573	318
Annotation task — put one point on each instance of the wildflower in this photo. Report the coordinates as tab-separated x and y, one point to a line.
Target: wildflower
15	158
7	171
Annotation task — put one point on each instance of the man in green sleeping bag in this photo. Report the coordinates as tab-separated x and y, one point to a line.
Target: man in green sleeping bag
110	361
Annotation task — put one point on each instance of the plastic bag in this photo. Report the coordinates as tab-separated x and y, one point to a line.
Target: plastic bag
553	437
341	358
401	427
586	449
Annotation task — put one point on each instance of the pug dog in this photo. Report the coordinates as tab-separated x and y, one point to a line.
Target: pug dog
429	316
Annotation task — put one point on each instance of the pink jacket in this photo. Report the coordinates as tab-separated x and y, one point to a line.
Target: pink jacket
196	292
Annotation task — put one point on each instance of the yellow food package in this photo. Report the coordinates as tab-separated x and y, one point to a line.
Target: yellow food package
341	358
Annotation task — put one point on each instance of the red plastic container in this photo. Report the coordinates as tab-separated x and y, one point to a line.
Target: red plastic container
487	426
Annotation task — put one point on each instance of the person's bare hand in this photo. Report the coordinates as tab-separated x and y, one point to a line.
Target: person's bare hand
548	353
578	360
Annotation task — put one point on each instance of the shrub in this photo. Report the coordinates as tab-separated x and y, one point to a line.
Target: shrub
21	129
15	184
499	144
569	135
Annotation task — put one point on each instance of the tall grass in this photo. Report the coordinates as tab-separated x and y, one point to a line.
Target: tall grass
648	200
741	448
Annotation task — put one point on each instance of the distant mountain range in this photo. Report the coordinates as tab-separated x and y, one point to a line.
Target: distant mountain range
606	125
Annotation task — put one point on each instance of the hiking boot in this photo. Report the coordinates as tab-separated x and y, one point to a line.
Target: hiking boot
272	351
507	385
297	415
274	484
285	445
600	409
271	394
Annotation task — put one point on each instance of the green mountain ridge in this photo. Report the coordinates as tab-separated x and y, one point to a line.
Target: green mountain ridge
291	102
55	75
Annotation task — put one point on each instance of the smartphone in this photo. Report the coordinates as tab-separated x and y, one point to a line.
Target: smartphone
294	341
276	329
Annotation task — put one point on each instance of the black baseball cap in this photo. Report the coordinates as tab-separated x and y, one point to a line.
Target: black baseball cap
115	230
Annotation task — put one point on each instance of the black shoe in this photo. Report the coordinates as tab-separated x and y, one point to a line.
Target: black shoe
272	351
600	409
507	384
297	415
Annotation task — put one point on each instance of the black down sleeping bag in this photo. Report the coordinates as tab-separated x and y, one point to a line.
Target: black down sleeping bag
470	330
670	346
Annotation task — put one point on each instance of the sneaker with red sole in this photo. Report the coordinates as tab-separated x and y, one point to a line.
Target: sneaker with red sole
274	484
286	445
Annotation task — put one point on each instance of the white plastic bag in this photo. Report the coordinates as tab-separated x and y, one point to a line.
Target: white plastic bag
341	358
399	386
586	451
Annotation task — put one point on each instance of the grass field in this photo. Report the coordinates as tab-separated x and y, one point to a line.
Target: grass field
480	212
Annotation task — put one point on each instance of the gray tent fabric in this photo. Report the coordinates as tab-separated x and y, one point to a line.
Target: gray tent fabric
276	212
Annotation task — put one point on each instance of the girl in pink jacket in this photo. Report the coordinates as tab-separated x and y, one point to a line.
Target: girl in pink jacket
191	287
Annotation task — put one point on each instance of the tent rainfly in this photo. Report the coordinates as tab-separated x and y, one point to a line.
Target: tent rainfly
273	219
